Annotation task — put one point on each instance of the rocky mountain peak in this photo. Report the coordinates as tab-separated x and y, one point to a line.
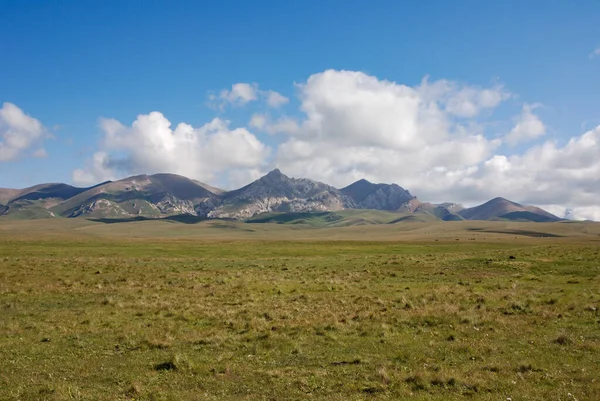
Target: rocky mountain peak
276	173
367	195
500	199
274	176
162	195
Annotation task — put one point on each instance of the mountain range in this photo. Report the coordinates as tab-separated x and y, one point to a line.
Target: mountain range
275	194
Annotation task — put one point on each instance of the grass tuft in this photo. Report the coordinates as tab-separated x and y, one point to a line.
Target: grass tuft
417	382
177	363
562	340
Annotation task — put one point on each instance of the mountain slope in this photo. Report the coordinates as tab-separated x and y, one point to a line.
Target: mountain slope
7	194
341	218
275	196
276	192
500	208
147	195
40	191
367	195
445	211
35	202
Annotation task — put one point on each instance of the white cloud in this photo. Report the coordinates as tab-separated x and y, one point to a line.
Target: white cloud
577	213
595	53
258	121
358	126
275	99
585	213
18	132
528	126
263	123
240	93
150	145
243	93
469	102
237	178
40	153
546	175
549	173
356	109
97	169
462	100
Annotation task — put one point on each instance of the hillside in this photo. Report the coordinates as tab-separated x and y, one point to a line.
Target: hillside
367	195
143	195
276	192
500	208
274	197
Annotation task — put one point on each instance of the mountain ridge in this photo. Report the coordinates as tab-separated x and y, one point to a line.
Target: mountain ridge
499	207
368	195
164	194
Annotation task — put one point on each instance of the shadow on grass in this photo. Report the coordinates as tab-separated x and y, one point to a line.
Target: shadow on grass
180	218
526	233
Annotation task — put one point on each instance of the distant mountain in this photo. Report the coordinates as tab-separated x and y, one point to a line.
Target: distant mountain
500	208
444	211
36	201
143	195
367	195
151	196
451	207
276	192
277	197
41	191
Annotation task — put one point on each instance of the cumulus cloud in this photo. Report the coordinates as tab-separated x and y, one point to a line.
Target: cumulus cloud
528	126
264	123
463	101
243	93
40	153
549	173
275	99
353	108
357	126
469	102
98	169
240	93
427	139
19	132
150	145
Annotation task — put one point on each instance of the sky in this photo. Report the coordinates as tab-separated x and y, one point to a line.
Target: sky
455	101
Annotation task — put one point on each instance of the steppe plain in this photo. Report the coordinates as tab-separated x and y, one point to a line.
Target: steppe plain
164	310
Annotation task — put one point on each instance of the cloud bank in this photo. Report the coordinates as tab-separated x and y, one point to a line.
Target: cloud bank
439	139
150	145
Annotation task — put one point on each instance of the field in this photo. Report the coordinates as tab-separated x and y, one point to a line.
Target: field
224	310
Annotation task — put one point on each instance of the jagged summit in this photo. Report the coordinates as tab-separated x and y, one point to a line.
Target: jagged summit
275	173
276	192
379	196
165	194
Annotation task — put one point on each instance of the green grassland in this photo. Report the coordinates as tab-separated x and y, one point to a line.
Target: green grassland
174	310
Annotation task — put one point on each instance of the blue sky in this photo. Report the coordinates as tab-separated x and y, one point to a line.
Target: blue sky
76	66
